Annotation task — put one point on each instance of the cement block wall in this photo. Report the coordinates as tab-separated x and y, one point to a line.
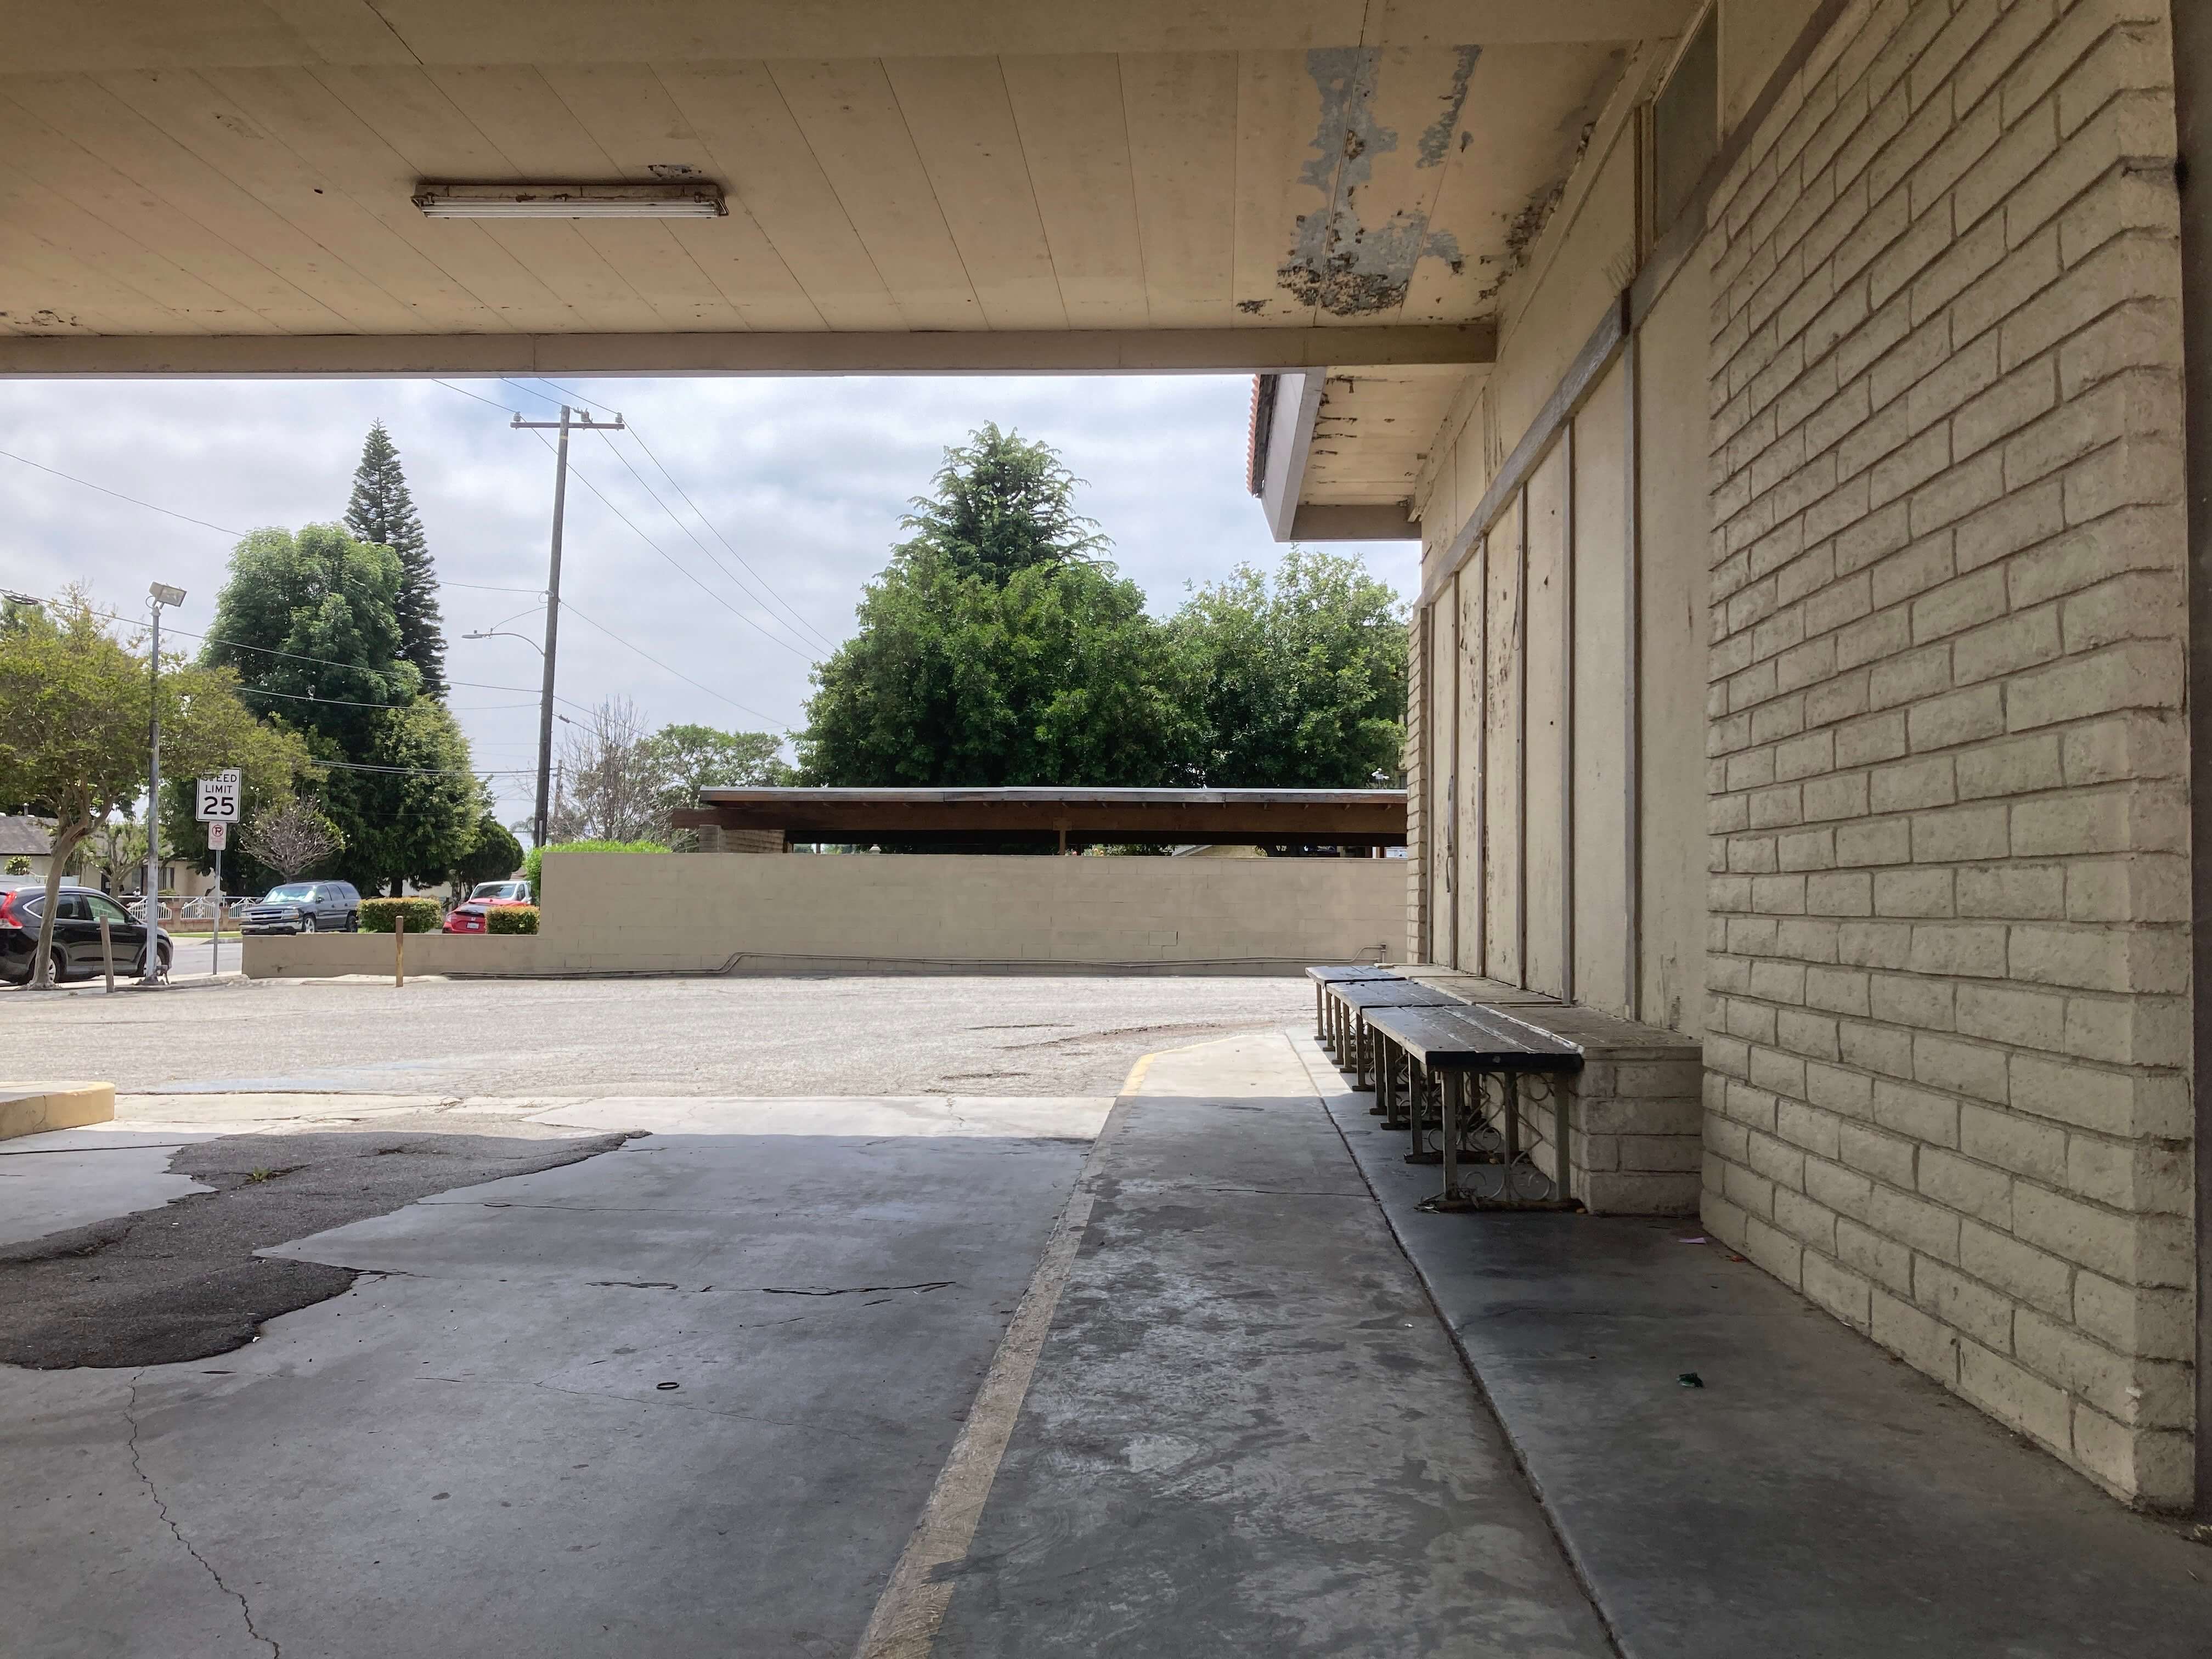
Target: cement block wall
631	913
1949	885
1918	870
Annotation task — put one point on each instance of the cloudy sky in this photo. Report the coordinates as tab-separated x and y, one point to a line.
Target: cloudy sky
805	481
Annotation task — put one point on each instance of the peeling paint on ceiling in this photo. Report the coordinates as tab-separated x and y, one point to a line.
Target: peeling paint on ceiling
1336	262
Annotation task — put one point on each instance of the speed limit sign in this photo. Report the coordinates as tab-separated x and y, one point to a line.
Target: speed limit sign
216	798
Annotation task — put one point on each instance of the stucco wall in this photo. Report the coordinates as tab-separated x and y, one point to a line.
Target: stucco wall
609	912
1947	749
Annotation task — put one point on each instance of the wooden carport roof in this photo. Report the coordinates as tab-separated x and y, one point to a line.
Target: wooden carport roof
1312	817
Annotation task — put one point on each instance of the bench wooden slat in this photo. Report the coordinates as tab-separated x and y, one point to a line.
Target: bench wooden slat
1346	973
1470	1038
1391	994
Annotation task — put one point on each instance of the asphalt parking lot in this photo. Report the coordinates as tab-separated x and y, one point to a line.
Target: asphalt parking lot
763	1317
562	1039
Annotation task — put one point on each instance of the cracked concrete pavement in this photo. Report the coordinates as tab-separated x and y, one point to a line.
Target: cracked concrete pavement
591	1333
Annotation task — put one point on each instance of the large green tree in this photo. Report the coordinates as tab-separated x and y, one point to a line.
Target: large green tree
1000	646
382	512
1001	505
309	622
1301	675
684	759
74	711
1055	677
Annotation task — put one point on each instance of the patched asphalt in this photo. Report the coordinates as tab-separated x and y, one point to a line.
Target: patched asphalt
183	1282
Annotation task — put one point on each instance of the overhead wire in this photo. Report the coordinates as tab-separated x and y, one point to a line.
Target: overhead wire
711	558
584	479
800	626
746	709
802	629
221	530
295	656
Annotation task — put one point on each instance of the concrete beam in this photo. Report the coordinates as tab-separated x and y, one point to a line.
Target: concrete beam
1321	521
1289	421
1062	351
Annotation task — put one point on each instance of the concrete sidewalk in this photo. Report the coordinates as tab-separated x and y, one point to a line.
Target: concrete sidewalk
1247	1433
1812	1497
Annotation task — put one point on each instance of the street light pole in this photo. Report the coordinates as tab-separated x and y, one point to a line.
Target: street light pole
569	420
161	593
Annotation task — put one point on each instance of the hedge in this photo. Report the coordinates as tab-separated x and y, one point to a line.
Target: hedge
533	866
511	918
424	915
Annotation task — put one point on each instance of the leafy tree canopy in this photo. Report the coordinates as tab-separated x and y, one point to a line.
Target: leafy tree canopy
999	647
1056	677
296	604
74	709
999	505
495	856
1301	675
310	623
382	514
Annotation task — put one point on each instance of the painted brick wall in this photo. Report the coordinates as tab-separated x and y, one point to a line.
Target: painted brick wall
1948	960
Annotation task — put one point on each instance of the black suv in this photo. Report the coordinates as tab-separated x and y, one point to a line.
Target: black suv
305	907
77	932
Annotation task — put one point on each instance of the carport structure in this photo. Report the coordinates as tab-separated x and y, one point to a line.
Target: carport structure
1790	397
1065	820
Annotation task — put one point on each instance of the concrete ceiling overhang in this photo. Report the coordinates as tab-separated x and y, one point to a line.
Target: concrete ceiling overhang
224	187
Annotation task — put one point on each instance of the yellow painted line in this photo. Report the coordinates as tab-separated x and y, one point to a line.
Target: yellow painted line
1131	1083
911	1607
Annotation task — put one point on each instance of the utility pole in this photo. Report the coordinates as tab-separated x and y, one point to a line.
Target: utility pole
161	593
569	422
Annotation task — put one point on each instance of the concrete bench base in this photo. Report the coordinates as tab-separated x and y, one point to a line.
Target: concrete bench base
32	1108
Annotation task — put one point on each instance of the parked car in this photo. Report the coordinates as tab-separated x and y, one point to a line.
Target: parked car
305	907
469	915
77	916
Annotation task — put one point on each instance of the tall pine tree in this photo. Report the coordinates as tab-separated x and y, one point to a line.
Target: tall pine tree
382	512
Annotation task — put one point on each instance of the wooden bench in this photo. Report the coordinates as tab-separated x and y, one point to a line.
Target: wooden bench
1344	973
1353	998
1479	1061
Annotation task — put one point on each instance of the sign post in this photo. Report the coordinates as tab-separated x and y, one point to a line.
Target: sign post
218	837
215	802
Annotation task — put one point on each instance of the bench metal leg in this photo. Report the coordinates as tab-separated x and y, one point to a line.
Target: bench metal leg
1417	1111
1386	1067
1451	1198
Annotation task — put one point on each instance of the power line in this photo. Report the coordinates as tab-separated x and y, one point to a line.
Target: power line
683	569
425	771
800	621
654	495
665	669
87	483
326	662
803	627
487	402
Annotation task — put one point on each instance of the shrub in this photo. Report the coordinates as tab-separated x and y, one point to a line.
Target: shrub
511	918
533	867
424	915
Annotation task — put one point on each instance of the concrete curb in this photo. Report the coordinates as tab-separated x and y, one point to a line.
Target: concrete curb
30	1109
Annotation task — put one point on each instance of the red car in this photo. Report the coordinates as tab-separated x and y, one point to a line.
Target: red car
468	916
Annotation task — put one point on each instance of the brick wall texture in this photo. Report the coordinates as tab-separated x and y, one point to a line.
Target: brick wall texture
1946	1095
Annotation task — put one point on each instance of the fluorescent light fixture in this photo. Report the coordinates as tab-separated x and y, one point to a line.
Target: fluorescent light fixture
680	201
